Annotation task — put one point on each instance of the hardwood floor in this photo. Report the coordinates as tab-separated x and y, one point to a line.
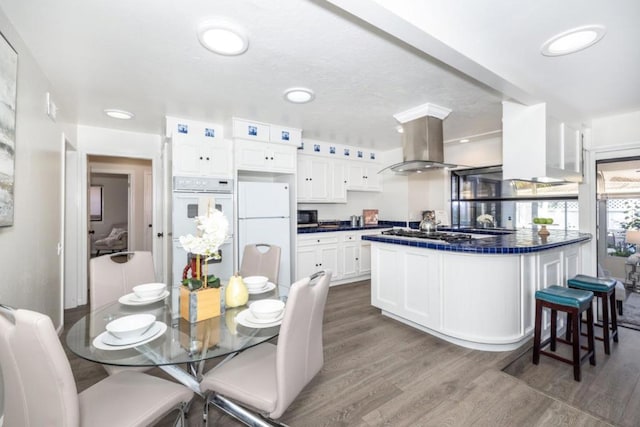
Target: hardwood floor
380	372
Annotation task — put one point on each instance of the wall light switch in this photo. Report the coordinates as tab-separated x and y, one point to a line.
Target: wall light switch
52	109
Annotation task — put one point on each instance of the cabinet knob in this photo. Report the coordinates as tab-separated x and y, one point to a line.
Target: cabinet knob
272	158
207	158
318	240
266	157
200	157
160	234
357	259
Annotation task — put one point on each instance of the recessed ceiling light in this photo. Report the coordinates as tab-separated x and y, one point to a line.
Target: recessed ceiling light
223	37
463	141
573	40
118	114
299	95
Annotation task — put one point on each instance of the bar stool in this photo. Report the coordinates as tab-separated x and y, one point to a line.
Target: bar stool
573	302
605	289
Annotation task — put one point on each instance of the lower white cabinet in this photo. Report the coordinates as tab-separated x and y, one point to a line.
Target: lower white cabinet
318	252
481	301
344	252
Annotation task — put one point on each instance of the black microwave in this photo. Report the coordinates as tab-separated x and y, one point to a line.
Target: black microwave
307	218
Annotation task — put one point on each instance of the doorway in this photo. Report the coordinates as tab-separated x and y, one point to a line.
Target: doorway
618	222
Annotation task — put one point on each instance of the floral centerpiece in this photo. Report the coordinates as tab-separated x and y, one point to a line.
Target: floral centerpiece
486	220
212	231
200	297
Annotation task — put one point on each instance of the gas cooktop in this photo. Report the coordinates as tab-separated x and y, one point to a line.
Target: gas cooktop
434	235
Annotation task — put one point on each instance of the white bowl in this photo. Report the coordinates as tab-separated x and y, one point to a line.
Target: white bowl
253	283
149	290
266	309
128	327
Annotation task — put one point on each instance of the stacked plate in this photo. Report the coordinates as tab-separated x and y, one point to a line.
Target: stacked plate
262	314
129	331
147	293
266	288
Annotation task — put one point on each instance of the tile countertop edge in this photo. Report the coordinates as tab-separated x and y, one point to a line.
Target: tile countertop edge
517	243
309	230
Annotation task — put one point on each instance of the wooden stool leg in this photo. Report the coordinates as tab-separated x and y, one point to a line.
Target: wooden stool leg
537	333
614	316
567	335
554	329
576	346
591	336
605	324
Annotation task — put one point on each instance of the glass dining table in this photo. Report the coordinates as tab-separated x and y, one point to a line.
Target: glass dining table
177	342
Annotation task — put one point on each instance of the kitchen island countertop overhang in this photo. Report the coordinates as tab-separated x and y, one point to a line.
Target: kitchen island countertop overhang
480	293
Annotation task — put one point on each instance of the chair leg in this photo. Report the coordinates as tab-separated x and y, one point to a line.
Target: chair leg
605	323
537	333
567	335
591	348
620	313
554	329
575	328
614	317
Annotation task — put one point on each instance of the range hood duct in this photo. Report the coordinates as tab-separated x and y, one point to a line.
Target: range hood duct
422	143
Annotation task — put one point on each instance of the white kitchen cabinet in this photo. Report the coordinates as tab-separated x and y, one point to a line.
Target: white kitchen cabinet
350	255
265	156
314	179
202	159
539	147
363	176
317	252
338	177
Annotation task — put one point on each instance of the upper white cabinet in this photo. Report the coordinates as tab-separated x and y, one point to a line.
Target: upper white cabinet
314	179
264	147
265	157
538	147
363	176
321	180
199	149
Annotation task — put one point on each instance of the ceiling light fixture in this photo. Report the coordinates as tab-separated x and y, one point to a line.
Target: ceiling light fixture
299	95
463	141
223	37
118	114
573	40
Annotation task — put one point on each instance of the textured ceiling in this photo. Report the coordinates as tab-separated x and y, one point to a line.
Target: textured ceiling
144	56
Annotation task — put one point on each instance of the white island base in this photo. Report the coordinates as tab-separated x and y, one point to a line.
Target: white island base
476	300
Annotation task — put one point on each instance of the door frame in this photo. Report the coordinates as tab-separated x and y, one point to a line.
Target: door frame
587	193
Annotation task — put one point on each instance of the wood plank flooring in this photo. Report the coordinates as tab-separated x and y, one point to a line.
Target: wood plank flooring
379	372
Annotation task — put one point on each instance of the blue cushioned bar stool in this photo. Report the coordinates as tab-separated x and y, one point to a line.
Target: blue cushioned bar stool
573	302
605	289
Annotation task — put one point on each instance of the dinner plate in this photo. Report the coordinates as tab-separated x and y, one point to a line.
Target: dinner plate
106	341
132	299
245	318
268	287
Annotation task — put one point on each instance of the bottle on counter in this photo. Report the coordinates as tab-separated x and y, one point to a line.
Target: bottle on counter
360	221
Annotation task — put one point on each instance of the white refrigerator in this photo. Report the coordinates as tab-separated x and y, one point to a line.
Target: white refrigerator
263	217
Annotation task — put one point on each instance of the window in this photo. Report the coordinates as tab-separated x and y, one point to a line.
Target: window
95	202
513	204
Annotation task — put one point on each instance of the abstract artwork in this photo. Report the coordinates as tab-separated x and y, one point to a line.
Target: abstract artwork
8	80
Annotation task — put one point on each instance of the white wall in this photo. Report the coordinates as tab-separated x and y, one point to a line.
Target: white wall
29	261
615	130
483	152
30	265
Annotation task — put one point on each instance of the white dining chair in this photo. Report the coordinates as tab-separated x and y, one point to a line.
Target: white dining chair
267	378
40	389
261	259
112	276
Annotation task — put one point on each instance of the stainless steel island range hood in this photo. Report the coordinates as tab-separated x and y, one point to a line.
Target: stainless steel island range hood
422	139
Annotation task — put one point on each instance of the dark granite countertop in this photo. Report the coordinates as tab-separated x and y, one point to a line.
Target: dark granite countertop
516	242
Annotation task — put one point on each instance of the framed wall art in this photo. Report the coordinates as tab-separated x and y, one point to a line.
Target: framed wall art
8	92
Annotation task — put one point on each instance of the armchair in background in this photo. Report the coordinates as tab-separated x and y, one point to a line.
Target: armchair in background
116	241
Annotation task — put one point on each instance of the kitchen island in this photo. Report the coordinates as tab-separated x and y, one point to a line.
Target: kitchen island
478	293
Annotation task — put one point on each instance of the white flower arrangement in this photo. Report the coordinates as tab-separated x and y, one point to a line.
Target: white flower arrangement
212	229
485	219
